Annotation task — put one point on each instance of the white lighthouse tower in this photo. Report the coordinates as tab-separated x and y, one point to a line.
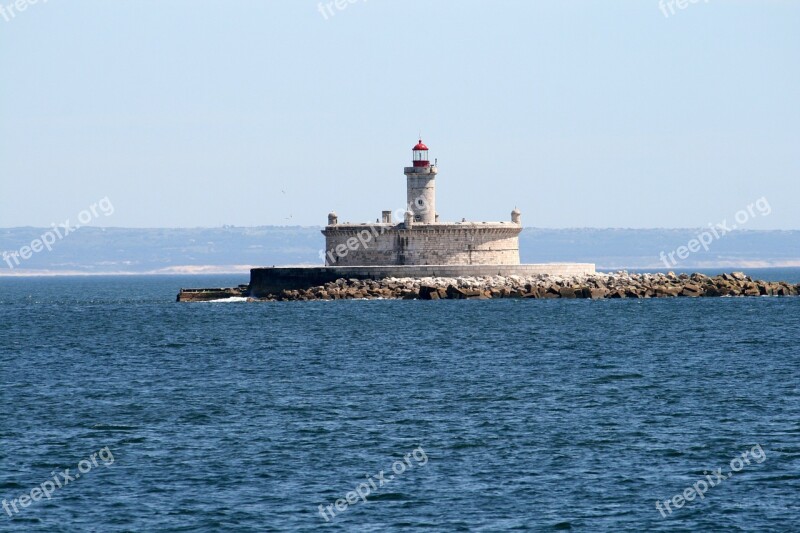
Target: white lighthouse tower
421	186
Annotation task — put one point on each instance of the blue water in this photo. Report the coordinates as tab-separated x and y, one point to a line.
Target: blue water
530	414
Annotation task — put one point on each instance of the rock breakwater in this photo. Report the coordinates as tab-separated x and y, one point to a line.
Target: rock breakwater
596	286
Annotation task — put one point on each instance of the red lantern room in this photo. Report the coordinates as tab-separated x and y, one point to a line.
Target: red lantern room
421	155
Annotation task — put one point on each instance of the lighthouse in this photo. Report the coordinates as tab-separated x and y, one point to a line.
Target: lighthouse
419	237
421	186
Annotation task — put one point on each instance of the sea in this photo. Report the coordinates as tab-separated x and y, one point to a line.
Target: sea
123	410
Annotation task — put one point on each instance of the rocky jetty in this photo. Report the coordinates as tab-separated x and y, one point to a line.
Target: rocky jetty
597	286
209	295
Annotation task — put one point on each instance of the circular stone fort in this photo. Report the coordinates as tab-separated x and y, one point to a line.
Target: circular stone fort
413	243
419	237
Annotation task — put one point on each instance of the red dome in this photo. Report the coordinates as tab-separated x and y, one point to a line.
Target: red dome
420	146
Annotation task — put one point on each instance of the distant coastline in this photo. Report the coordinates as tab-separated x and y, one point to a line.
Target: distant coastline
234	250
188	270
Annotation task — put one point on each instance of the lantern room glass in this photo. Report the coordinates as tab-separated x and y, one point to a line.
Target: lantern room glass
420	155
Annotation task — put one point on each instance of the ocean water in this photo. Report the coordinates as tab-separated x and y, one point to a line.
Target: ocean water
488	415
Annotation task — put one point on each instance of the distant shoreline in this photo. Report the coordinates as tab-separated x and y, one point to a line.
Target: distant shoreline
116	251
198	271
210	270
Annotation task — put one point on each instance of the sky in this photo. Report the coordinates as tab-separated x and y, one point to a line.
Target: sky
606	113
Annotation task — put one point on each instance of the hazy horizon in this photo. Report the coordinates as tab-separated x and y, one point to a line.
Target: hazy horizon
322	226
237	249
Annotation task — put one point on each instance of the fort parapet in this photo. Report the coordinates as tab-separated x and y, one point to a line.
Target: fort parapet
465	243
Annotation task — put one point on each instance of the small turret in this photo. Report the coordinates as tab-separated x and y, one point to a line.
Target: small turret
409	220
516	216
333	219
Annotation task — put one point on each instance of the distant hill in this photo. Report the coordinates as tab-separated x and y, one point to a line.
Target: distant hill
233	249
641	248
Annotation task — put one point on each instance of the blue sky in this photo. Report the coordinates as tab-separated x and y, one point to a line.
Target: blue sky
248	112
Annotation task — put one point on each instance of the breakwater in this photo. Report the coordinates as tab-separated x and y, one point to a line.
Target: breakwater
274	280
593	286
208	295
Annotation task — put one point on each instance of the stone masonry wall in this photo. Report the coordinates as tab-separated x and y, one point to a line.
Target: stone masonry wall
426	244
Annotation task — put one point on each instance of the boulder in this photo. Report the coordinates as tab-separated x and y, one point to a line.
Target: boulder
597	294
692	290
786	290
472	293
633	292
454	293
425	292
566	292
715	291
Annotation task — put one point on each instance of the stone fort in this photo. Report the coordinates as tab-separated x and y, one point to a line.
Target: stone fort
412	243
420	238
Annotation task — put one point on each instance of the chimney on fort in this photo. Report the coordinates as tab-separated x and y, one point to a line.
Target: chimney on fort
421	186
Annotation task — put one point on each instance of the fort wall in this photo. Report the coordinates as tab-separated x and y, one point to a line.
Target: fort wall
423	244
